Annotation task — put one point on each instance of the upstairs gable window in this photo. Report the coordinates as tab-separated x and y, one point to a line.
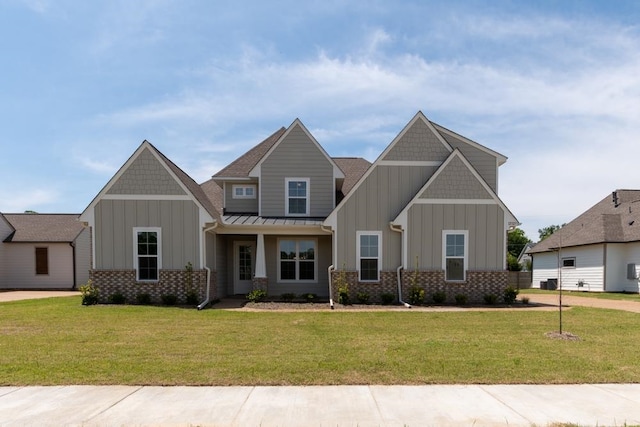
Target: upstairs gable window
297	196
244	191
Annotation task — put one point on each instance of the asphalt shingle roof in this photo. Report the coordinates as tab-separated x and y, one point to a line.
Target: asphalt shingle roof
605	222
43	227
241	166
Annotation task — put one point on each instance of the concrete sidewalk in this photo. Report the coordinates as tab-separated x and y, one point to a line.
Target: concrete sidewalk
438	405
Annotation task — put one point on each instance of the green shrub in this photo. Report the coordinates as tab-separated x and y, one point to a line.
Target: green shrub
257	295
169	299
439	297
288	297
387	298
192	298
90	293
363	297
143	299
416	295
461	299
117	298
510	295
490	299
309	297
343	288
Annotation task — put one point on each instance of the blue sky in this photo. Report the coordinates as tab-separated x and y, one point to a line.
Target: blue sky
553	85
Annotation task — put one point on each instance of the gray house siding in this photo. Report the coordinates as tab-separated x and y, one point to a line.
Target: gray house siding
418	143
484	223
378	199
115	220
483	162
240	205
83	256
456	182
146	176
296	157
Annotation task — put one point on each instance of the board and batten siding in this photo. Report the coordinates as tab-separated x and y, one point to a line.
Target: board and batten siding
296	156
83	256
484	223
589	267
115	220
22	259
485	163
240	205
374	203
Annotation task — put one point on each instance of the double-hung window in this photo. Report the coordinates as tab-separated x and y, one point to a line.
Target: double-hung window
455	250
297	196
369	254
147	252
297	260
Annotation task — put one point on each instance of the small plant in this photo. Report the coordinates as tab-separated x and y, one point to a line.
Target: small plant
416	295
169	299
143	299
90	293
461	299
510	295
439	297
490	299
310	298
288	297
191	298
257	295
343	288
387	298
190	292
117	298
363	297
525	300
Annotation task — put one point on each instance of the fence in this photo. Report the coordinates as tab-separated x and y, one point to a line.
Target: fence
520	279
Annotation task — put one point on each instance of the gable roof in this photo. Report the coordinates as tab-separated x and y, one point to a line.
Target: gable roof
449	133
353	169
184	180
241	166
614	219
255	171
42	228
456	157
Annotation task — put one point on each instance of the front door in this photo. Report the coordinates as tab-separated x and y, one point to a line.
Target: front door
244	259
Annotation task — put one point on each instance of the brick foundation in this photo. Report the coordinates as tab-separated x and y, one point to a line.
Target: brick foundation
171	282
477	285
261	283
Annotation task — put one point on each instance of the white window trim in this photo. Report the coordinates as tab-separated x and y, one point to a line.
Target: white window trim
358	258
315	261
244	194
466	253
572	258
286	196
157	230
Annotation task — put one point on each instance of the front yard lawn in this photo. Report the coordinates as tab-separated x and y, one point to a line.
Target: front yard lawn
58	341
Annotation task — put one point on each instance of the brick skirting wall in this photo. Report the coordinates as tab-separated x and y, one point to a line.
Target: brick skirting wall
477	285
260	283
171	282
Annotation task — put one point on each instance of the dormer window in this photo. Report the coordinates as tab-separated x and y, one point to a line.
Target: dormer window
244	191
297	196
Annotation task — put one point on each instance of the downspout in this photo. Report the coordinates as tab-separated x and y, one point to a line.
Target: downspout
73	262
329	270
398	270
207	299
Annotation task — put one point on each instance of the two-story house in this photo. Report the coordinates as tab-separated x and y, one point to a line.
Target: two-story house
288	218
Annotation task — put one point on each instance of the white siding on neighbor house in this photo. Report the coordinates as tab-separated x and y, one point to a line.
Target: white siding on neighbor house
83	256
619	255
588	268
20	260
5	231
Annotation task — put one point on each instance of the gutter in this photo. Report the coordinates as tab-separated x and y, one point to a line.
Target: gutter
398	270
329	270
207	299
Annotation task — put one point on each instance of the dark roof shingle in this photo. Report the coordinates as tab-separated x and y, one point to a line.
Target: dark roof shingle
42	228
241	166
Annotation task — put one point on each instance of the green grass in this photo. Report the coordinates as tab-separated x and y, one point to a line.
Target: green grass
619	296
58	341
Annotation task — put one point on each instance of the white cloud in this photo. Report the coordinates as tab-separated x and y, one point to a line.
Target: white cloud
20	200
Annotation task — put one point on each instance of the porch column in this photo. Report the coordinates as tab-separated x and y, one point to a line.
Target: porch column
261	268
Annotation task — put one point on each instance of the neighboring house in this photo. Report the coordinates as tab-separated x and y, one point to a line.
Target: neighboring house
597	251
43	251
524	259
288	218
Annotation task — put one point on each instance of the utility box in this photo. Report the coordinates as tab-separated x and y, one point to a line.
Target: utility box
552	284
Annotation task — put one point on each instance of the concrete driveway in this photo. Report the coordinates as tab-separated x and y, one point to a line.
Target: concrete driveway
574	300
22	295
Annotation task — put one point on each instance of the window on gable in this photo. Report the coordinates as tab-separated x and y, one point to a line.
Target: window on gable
569	262
297	196
244	191
455	255
42	261
297	260
368	248
147	253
